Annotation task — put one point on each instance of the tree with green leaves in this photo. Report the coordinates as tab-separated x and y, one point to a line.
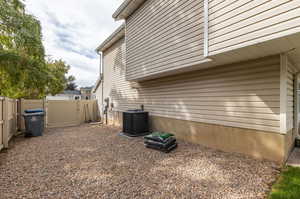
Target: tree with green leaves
57	81
71	85
24	70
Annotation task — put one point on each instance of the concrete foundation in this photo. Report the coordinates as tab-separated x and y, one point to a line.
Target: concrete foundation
258	144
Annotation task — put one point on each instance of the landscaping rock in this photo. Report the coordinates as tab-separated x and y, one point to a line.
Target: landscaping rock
95	162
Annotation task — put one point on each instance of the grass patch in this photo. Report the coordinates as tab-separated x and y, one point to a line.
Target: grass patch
288	185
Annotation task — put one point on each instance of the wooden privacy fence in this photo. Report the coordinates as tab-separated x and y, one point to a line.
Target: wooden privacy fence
8	120
63	113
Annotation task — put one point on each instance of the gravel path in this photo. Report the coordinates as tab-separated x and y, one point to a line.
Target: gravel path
94	162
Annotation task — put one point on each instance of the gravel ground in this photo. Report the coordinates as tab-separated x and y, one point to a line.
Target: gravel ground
94	162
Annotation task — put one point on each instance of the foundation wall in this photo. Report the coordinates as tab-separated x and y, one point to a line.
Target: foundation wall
255	143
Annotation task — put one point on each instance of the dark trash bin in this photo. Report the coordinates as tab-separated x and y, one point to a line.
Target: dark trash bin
34	122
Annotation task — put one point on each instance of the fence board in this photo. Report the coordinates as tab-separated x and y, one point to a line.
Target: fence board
5	125
1	123
11	117
8	120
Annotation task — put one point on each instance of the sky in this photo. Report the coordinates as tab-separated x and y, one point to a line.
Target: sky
72	30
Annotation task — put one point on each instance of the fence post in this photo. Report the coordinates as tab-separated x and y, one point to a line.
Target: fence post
16	116
19	114
5	123
78	107
22	122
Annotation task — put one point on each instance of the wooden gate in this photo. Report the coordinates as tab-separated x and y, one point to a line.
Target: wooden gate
62	113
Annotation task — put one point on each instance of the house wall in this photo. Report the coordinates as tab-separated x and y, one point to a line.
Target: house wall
244	95
172	39
115	85
235	24
246	107
111	60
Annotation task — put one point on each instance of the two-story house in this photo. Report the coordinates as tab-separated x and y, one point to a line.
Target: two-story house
221	73
86	92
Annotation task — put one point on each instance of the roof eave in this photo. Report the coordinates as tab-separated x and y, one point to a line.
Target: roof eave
121	8
114	37
98	82
127	8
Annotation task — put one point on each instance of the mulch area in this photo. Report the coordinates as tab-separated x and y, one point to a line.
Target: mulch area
95	162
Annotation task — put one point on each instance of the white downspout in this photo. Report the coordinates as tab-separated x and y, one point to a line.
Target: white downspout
206	27
102	81
101	71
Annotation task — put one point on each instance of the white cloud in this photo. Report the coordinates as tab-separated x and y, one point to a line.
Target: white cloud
73	29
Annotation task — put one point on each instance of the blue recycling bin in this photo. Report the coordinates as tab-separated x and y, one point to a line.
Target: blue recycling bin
34	122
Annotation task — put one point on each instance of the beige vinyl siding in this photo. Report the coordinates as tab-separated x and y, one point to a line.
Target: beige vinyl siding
235	24
163	35
240	95
115	85
110	58
290	96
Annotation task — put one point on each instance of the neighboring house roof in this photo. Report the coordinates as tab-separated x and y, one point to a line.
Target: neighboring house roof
127	8
115	36
71	92
86	88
